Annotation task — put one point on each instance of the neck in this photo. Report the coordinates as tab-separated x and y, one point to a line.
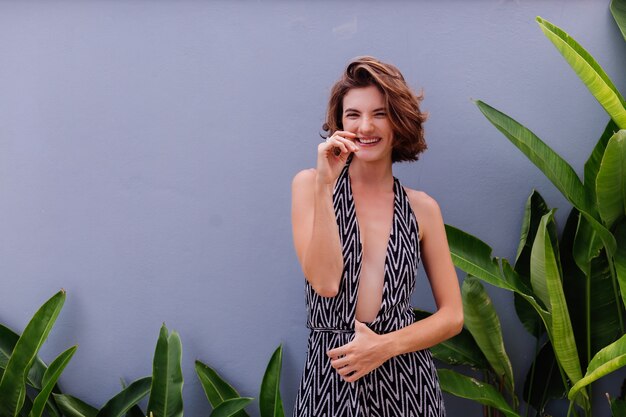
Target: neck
374	175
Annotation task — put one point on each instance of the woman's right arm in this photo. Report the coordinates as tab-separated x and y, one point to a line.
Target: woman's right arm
315	231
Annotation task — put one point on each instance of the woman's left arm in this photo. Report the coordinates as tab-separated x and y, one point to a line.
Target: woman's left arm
368	350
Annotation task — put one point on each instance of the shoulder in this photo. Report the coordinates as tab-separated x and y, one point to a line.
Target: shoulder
304	178
422	204
426	210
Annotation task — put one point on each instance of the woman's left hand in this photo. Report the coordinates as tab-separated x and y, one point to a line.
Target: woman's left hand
362	355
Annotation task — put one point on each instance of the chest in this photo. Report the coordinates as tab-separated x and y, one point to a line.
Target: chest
375	216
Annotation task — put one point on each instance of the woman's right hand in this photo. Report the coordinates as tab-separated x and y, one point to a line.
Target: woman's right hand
332	155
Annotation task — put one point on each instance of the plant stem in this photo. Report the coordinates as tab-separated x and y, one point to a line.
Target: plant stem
616	291
588	321
570	409
532	376
545	388
588	312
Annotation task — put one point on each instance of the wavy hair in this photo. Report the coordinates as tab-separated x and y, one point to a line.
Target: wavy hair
401	102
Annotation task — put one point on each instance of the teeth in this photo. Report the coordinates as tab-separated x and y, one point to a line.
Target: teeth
367	141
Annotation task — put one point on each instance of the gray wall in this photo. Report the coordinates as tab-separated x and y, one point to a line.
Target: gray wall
147	150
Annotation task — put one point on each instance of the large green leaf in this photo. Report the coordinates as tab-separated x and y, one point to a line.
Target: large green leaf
270	402
217	390
559	172
50	379
592	165
482	322
520	289
587	244
231	407
618	9
127	398
588	70
611	180
607	360
458	350
543	381
535	208
8	339
13	383
74	407
618	407
166	393
474	257
620	259
547	282
575	284
605	308
590	297
466	387
135	411
28	405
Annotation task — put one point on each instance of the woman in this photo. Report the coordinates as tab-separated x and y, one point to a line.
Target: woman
359	236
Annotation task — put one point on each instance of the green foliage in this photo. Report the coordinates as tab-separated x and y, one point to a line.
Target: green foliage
50	378
74	407
217	390
618	407
482	322
611	180
21	366
609	359
226	401
572	290
588	70
166	392
618	9
472	389
458	350
126	399
270	401
231	407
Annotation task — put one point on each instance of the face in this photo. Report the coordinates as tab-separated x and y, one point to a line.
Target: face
365	114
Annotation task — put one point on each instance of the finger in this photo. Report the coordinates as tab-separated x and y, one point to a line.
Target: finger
333	354
338	352
356	375
339	362
345	133
335	143
346	371
349	143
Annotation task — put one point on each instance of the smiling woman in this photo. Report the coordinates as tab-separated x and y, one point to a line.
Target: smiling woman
360	236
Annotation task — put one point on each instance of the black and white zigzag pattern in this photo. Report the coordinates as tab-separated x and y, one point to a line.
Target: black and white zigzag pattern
404	386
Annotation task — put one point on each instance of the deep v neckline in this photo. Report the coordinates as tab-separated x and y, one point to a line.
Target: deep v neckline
359	257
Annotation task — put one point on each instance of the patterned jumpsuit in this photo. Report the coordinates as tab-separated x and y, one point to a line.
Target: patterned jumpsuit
404	386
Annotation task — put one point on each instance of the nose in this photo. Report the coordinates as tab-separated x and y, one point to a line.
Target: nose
367	125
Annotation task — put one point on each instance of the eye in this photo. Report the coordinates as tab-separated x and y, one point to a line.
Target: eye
380	114
352	115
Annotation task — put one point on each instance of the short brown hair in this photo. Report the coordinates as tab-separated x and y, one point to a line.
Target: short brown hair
402	104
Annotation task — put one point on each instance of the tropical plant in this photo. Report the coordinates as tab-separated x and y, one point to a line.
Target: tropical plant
20	366
227	402
23	372
164	387
561	288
